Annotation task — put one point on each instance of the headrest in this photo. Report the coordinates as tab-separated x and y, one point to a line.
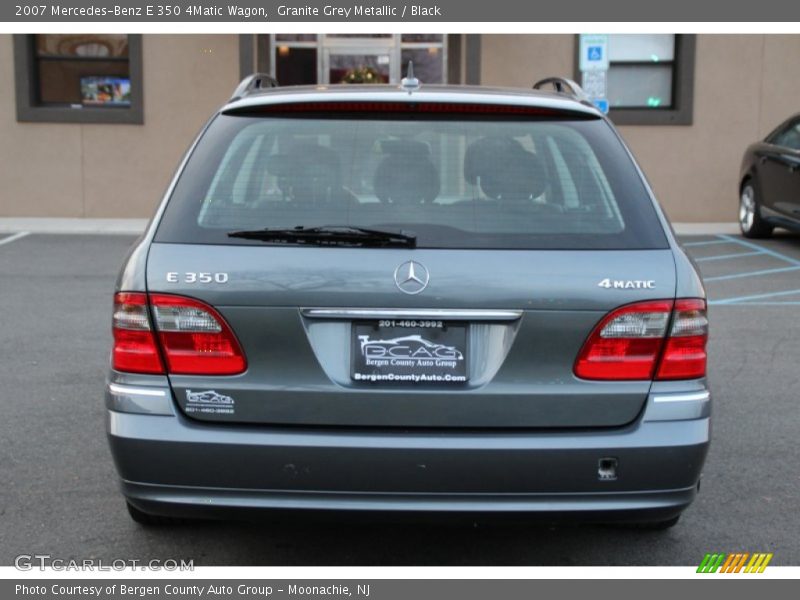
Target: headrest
406	173
505	170
300	160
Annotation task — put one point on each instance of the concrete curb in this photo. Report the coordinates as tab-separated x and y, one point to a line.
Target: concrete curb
136	226
73	226
706	228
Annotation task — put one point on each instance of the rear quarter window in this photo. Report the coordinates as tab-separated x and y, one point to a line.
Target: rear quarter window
453	181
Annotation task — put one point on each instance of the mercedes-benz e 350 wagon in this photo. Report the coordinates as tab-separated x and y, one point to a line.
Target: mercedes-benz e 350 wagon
413	298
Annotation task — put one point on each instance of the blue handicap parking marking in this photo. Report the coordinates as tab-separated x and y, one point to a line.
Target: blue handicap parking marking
728	256
751	274
705	243
761	248
760	297
777	264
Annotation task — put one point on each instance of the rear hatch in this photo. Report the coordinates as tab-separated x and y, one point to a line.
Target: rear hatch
526	230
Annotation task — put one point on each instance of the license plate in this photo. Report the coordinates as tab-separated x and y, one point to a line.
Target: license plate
409	351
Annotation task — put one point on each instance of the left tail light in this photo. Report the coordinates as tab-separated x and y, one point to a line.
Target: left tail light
192	337
135	349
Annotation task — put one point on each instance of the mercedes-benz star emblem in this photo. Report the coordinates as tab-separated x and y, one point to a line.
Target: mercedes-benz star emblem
411	277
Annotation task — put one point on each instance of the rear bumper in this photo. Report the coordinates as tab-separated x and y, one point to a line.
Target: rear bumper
171	465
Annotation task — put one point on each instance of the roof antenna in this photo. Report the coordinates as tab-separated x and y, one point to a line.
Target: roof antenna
410	83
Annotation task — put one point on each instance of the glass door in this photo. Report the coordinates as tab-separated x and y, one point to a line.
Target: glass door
298	59
358	65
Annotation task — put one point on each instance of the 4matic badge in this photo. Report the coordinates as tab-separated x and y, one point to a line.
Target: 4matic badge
627	284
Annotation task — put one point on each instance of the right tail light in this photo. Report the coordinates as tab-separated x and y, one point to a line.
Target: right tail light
657	339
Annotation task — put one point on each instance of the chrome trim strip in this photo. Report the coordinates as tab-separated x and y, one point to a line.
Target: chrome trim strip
412	313
124	390
693	397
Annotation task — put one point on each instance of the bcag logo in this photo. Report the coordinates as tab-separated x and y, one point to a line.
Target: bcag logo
627	284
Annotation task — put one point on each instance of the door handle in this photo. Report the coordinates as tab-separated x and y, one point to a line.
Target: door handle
762	159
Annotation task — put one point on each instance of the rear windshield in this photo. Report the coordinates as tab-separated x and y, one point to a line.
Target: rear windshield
452	181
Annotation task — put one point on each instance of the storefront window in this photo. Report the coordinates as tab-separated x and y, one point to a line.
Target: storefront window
299	59
92	70
87	78
641	70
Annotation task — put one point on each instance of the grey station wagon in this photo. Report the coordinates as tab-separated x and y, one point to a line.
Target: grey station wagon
409	298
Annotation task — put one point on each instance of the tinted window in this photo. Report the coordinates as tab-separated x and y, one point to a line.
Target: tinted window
788	137
455	183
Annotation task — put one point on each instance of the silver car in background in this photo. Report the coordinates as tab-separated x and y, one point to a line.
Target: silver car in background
414	298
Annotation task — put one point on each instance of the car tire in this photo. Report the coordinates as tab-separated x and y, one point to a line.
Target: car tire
148	520
750	221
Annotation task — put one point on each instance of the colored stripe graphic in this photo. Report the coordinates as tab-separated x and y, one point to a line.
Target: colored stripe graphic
735	563
710	563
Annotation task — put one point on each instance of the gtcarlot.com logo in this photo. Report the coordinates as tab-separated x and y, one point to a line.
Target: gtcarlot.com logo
739	562
28	562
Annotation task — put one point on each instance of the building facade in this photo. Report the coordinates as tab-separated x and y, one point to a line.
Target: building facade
94	126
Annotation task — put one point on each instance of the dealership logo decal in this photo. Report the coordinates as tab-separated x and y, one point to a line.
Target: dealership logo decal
411	277
408	351
739	562
209	402
627	284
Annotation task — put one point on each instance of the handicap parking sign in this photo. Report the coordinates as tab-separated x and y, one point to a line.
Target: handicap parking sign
601	104
593	52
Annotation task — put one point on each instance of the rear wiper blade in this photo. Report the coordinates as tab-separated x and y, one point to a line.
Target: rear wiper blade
334	235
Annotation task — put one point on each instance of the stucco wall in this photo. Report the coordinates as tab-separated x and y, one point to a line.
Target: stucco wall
744	86
76	170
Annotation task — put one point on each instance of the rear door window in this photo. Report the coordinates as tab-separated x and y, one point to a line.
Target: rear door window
506	183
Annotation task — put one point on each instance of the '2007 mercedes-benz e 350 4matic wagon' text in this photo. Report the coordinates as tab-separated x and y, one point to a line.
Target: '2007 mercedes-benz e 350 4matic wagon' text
409	298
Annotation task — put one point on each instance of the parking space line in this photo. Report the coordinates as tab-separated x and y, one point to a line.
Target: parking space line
726	256
705	243
744	299
785	303
751	273
752	246
15	237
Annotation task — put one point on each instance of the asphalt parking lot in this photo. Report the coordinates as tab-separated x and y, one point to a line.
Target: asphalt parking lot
59	489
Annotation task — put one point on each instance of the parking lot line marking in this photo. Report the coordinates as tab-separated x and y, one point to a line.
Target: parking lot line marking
726	256
752	246
751	274
13	238
784	303
705	243
742	299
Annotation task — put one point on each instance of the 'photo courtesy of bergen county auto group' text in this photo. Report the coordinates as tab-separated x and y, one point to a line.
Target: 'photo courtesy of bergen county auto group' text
400	299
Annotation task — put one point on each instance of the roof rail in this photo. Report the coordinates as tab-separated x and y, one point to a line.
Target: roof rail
253	83
562	85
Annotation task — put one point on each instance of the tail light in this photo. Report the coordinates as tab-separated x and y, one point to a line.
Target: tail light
194	339
685	351
135	349
631	343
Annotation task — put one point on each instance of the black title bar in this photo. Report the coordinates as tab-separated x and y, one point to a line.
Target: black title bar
344	11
